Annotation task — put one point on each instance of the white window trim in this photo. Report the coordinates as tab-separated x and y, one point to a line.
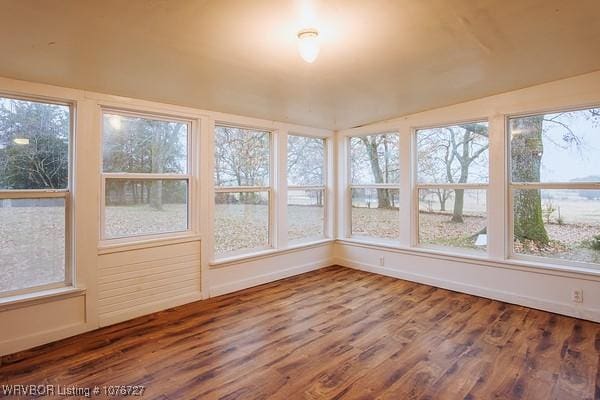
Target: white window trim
65	194
511	187
323	188
351	186
416	186
270	190
499	201
192	200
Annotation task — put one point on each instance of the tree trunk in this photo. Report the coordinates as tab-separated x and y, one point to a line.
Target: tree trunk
442	198
121	197
527	149
383	197
459	194
156	190
459	201
156	195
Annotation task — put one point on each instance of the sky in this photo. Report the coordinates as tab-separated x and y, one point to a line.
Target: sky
562	162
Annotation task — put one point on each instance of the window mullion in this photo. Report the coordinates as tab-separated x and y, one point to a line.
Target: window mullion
557	185
33	194
280	179
144	176
497	201
452	186
239	189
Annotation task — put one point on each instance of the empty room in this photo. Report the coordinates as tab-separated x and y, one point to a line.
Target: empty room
300	199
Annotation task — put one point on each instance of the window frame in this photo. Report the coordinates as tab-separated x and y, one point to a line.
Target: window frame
511	187
66	194
416	187
322	188
135	176
270	190
351	186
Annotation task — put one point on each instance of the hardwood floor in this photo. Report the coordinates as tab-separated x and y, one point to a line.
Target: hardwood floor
333	333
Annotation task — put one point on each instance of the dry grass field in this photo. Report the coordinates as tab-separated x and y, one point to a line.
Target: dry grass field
32	238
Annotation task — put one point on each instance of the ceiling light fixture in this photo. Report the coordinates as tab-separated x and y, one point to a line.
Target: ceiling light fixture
21	141
308	44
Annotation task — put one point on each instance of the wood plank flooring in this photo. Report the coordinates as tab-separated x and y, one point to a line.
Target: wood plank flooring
335	333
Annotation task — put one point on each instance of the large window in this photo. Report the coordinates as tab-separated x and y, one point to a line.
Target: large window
374	180
452	177
555	185
145	174
242	190
306	188
34	195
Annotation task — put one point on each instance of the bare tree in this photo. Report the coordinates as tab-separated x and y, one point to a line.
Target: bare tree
448	155
379	155
33	145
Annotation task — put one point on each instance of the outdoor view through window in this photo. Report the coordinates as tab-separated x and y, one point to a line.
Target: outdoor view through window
555	175
242	189
306	188
145	170
374	180
452	177
34	155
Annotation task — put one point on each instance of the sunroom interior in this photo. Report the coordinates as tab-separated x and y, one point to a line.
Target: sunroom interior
300	199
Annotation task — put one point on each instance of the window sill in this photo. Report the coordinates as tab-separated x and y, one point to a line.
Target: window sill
108	248
228	261
512	263
43	296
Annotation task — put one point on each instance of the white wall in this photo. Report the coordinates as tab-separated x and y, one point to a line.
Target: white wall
99	299
118	281
258	270
137	282
537	284
532	287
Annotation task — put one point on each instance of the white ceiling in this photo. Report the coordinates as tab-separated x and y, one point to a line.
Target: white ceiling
379	58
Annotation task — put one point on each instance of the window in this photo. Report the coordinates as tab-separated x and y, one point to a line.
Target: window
374	180
145	174
34	195
306	188
242	190
555	185
452	176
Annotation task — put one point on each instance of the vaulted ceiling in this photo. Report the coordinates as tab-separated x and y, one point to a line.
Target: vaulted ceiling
379	58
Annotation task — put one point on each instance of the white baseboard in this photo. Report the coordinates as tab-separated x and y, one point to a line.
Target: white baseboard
40	338
230	287
491	293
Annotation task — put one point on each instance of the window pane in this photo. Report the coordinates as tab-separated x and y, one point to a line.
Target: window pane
32	243
375	213
143	145
145	207
305	214
563	224
375	159
559	147
306	160
241	157
34	145
453	218
241	221
453	154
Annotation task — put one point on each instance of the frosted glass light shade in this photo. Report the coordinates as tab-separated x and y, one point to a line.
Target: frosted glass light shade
308	45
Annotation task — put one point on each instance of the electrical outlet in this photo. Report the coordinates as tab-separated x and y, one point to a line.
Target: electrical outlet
382	261
577	296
